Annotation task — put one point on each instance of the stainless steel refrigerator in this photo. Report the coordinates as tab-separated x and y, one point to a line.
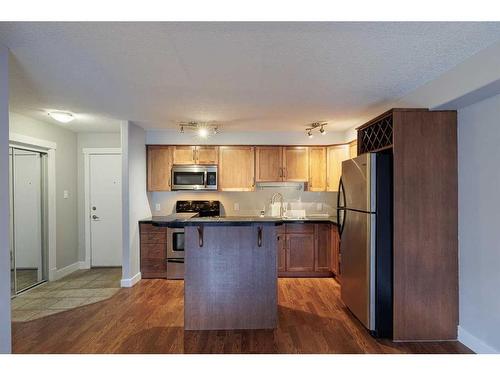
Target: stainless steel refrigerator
364	211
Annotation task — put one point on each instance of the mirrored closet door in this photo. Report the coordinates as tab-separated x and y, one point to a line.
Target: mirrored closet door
27	218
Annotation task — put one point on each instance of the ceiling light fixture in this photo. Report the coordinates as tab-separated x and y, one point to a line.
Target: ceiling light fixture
61	116
320	124
203	130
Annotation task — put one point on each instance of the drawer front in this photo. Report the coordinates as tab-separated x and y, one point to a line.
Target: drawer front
154	251
300	228
151	268
153	238
150	228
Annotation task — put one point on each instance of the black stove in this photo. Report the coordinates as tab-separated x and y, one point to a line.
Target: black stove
202	208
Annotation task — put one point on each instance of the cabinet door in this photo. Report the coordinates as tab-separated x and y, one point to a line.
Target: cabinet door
236	168
317	169
335	251
336	155
184	154
353	149
159	165
269	164
207	154
323	247
281	249
296	164
299	252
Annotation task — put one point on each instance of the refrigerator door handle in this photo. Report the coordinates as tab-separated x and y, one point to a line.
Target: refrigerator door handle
341	227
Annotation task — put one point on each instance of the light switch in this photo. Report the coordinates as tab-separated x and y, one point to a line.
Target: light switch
157	207
236	207
65	194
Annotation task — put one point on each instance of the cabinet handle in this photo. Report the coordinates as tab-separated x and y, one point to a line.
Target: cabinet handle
259	236
200	236
284	172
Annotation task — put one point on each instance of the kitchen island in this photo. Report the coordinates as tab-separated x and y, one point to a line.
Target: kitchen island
231	263
231	275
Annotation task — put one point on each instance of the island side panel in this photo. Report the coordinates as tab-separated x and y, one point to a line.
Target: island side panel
230	282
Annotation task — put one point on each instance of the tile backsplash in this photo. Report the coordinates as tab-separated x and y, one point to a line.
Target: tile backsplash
248	203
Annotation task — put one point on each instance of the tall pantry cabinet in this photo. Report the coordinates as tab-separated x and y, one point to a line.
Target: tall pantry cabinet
425	217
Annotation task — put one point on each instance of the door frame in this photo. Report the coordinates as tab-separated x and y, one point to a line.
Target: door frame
41	145
87	152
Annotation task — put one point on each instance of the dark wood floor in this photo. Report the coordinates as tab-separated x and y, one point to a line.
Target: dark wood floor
148	318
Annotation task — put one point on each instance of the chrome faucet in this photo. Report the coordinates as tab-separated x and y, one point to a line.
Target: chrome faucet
280	197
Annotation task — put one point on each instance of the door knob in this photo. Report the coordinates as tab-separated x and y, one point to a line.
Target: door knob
95	217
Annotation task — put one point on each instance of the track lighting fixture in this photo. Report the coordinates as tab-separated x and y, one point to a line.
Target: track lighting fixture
203	130
321	125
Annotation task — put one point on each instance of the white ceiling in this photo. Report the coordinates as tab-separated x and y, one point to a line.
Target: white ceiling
248	76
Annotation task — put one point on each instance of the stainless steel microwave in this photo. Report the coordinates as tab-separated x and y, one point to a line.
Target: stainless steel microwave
194	177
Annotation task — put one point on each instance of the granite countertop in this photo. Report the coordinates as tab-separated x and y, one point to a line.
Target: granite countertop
175	221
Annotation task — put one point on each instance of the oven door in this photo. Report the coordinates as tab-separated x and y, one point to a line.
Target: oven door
175	244
188	177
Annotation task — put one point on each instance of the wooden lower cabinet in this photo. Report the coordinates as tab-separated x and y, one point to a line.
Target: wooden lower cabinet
153	251
335	253
305	250
281	249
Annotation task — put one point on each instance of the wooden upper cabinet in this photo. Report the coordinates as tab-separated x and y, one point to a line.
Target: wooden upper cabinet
268	164
159	163
196	154
207	154
336	155
236	168
295	164
184	154
353	149
317	168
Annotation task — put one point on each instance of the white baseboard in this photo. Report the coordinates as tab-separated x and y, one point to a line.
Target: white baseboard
127	283
473	343
83	265
65	271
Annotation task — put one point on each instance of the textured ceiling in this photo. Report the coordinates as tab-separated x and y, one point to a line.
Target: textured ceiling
248	76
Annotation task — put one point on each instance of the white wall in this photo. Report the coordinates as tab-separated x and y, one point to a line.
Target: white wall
245	138
66	179
134	196
5	334
89	140
479	224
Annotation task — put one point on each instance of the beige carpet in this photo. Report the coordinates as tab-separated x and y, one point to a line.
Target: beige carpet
82	287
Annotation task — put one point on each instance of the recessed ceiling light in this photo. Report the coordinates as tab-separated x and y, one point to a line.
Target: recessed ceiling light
63	117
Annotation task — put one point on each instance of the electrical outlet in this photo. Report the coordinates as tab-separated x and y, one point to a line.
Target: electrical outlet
65	194
157	207
319	206
236	207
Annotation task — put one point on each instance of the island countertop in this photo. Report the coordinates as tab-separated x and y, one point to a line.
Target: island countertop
175	221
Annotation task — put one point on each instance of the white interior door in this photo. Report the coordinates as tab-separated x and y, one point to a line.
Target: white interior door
105	210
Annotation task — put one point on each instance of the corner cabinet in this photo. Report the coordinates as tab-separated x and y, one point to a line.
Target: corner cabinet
159	164
236	168
335	156
317	169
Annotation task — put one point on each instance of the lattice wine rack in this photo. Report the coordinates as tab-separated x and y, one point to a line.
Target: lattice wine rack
376	136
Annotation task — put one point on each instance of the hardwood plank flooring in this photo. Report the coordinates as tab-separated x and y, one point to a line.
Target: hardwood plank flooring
149	318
